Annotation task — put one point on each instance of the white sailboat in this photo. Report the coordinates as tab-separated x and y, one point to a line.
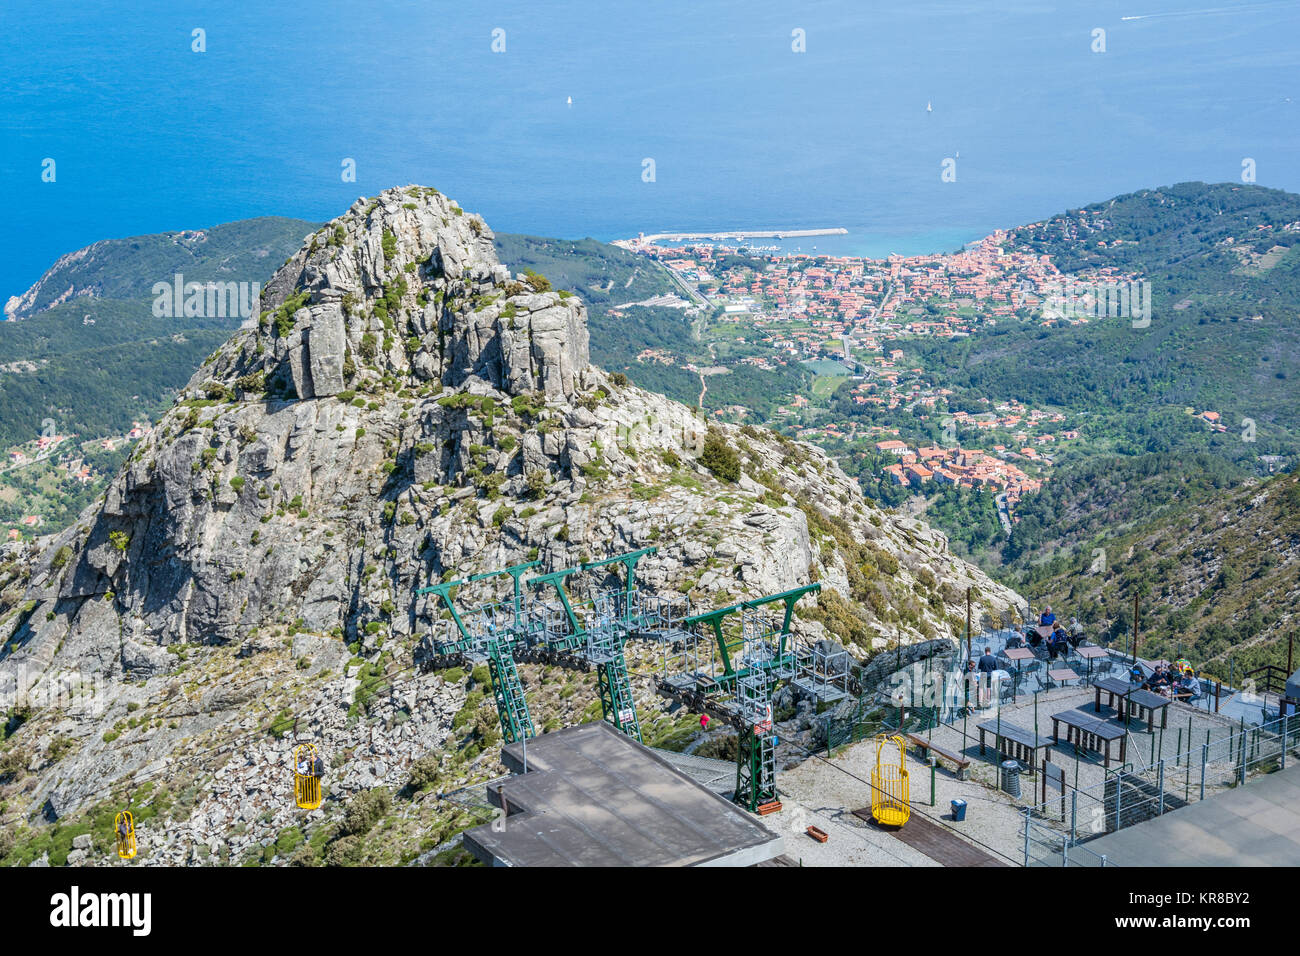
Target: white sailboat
929	107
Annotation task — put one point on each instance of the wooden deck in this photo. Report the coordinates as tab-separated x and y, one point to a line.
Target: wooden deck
935	841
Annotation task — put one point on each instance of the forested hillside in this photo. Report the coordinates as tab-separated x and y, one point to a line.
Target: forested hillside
245	251
1224	266
1217	577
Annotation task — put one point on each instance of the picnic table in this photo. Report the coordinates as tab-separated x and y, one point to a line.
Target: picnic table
1015	742
1062	674
1114	687
1091	652
1019	655
1085	732
1144	703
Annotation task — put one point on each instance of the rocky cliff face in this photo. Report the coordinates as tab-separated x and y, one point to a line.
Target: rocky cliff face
403	410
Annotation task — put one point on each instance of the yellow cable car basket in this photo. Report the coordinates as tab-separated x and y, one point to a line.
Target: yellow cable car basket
124	828
889	786
306	782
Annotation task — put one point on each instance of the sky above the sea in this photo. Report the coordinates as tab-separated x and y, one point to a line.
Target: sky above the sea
754	113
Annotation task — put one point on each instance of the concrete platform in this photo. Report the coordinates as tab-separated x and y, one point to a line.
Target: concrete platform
1254	825
593	797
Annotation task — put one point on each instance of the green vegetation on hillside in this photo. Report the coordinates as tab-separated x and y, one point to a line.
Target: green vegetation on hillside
93	366
249	250
1223	333
1215	576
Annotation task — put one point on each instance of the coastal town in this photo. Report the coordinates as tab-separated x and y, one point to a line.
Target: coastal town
850	320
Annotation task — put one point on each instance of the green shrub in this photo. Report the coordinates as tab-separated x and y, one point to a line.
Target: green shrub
346	851
282	724
539	283
254	382
425	773
536	484
719	457
368	347
365	810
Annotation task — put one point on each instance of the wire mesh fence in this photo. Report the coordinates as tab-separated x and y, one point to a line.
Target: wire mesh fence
1055	831
1177	761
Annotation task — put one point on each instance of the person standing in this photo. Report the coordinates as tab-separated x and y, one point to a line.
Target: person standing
987	665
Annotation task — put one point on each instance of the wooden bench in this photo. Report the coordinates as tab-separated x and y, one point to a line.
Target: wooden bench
1089	733
1114	688
961	763
1143	703
1016	742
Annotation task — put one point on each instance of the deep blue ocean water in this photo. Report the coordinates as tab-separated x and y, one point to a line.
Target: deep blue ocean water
148	135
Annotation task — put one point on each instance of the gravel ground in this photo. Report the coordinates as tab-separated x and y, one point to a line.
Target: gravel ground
824	792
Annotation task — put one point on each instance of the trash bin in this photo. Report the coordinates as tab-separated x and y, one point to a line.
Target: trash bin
1011	777
958	811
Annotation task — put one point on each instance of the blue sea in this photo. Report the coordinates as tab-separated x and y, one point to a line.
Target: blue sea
552	134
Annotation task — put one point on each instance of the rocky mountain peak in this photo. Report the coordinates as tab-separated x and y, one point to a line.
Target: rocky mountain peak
407	287
403	411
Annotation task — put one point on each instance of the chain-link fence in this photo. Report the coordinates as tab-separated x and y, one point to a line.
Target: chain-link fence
1055	832
912	699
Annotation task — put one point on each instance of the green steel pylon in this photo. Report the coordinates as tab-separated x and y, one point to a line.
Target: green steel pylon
756	746
519	628
576	634
498	650
512	706
755	768
616	701
628	618
605	650
727	648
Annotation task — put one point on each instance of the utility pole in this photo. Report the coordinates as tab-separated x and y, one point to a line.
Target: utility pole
968	623
1135	628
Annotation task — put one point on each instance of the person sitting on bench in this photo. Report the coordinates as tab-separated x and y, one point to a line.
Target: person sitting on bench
1189	688
1057	644
1157	680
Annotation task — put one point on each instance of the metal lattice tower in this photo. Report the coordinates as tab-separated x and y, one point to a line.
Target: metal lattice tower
823	672
512	706
605	650
756	752
491	636
492	633
754	659
762	647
